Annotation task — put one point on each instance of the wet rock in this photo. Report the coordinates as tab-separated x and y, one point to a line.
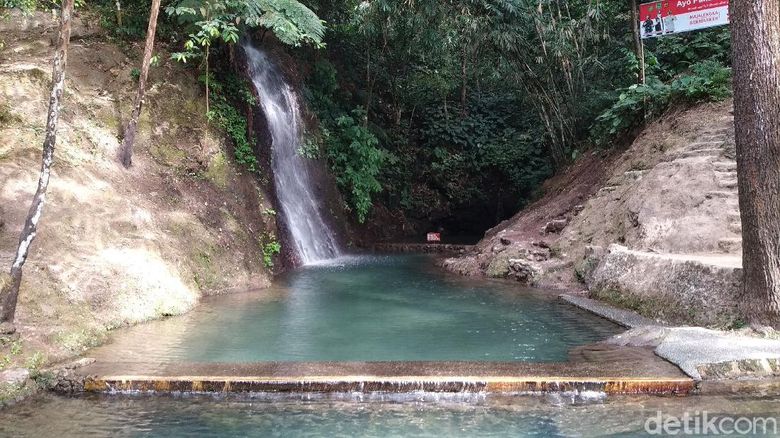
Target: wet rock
524	271
555	226
67	381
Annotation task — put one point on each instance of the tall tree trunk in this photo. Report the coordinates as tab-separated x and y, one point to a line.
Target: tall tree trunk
756	53
639	49
464	81
10	286
118	14
126	150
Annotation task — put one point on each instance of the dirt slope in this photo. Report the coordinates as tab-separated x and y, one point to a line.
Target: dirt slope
117	246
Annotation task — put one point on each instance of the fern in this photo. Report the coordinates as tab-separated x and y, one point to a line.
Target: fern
291	22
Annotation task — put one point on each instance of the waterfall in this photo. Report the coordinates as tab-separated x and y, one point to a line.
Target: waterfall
314	241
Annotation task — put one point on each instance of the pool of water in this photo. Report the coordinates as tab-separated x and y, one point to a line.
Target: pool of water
344	415
367	308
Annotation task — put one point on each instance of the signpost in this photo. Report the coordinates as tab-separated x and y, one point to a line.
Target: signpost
666	17
434	237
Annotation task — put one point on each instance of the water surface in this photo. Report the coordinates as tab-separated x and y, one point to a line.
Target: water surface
344	415
363	309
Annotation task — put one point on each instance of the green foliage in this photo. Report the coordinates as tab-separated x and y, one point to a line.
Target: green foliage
213	21
356	160
135	74
309	148
14	350
489	149
225	114
705	81
270	249
26	6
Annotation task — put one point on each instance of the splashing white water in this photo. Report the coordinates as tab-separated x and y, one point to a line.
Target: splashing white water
314	241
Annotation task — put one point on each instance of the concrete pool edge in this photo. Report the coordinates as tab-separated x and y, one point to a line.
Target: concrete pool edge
638	372
400	384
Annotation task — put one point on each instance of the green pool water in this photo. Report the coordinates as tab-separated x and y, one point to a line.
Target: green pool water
368	308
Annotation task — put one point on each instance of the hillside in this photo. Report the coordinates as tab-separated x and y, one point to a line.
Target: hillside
118	246
655	227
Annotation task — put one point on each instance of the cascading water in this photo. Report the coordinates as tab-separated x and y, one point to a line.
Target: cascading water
314	241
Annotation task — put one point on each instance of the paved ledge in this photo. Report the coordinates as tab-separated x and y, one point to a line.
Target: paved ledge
609	369
492	384
626	318
428	248
705	354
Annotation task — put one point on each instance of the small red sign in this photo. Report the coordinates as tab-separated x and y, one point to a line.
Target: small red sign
434	237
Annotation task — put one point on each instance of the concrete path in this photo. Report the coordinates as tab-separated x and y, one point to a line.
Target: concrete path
705	354
626	318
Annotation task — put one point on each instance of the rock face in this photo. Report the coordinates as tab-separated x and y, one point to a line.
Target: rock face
681	289
118	247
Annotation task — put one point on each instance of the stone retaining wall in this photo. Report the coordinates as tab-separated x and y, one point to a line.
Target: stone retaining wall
676	289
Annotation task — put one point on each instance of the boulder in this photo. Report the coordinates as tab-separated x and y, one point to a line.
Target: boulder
555	226
15	376
524	271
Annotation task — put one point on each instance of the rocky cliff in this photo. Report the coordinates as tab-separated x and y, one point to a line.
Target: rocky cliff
118	246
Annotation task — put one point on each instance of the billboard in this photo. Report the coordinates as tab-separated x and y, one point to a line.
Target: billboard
666	17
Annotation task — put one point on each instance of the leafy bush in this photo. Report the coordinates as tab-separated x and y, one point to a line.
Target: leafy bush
705	81
270	249
356	159
223	112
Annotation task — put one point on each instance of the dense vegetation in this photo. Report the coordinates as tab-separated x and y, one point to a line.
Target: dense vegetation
448	113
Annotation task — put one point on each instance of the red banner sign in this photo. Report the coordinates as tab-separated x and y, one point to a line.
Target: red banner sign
434	237
666	17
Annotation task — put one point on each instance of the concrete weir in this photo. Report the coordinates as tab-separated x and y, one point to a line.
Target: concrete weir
632	375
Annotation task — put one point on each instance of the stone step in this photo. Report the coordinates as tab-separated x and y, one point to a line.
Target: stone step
727	183
725	174
704	145
713	137
735	227
605	190
634	175
721	195
709	152
730	244
725	166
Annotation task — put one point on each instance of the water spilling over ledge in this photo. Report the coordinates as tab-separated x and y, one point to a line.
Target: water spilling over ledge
313	238
612	371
